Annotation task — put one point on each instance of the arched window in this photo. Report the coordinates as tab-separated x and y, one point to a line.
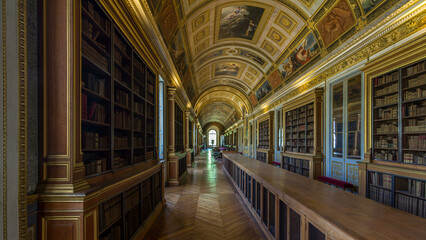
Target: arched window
212	138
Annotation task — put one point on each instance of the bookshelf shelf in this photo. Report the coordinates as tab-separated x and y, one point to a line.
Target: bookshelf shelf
415	100
90	15
122	106
95	44
422	72
386	84
95	123
95	95
94	150
385	105
92	64
302	121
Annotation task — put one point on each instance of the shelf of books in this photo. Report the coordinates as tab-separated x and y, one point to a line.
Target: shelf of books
405	193
265	148
399	115
121	216
118	93
303	135
399	137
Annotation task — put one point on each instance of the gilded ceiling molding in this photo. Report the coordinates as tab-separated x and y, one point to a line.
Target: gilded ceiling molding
22	124
398	31
4	59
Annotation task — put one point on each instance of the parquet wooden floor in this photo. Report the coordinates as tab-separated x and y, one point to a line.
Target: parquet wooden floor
205	207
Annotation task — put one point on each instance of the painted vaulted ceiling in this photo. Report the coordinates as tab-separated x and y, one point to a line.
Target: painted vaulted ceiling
232	55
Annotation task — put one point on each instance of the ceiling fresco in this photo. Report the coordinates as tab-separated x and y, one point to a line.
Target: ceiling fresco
254	47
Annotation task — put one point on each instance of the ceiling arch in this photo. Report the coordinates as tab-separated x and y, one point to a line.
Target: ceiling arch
227	94
222	104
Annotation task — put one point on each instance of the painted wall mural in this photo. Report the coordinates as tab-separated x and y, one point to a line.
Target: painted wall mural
303	53
229	68
275	79
264	90
168	20
211	55
336	22
178	54
239	21
251	56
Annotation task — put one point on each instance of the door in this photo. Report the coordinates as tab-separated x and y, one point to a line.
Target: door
345	129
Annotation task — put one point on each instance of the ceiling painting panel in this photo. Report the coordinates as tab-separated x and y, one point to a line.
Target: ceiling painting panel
240	20
302	54
336	22
168	20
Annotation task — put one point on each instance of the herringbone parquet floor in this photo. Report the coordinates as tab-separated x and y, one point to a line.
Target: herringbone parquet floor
205	207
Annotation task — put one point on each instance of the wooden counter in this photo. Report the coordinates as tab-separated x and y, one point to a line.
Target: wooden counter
322	208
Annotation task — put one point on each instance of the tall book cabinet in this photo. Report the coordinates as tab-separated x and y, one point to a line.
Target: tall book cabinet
118	122
303	135
394	169
399	136
265	138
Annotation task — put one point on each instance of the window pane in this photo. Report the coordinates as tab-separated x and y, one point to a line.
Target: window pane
354	118
161	120
212	138
337	120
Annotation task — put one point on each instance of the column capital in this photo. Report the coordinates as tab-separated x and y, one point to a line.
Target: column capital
171	93
171	89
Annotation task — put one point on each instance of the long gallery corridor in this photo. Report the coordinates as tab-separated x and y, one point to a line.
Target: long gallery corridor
206	206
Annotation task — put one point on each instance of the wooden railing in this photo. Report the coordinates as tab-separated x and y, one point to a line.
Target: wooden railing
289	206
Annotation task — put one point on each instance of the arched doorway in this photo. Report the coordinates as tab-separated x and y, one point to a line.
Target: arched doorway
212	139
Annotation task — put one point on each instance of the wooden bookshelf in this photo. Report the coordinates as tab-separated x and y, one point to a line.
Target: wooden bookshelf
118	97
95	122
399	117
395	176
399	191
303	134
121	216
265	133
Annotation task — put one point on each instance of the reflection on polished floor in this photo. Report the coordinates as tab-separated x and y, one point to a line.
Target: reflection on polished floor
205	207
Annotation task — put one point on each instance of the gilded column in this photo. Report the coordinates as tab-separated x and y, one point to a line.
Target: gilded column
61	168
188	151
172	159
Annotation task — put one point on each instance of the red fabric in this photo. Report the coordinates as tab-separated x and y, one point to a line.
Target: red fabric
276	163
336	182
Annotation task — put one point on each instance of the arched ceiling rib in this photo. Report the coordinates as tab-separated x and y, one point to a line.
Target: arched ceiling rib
222	104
